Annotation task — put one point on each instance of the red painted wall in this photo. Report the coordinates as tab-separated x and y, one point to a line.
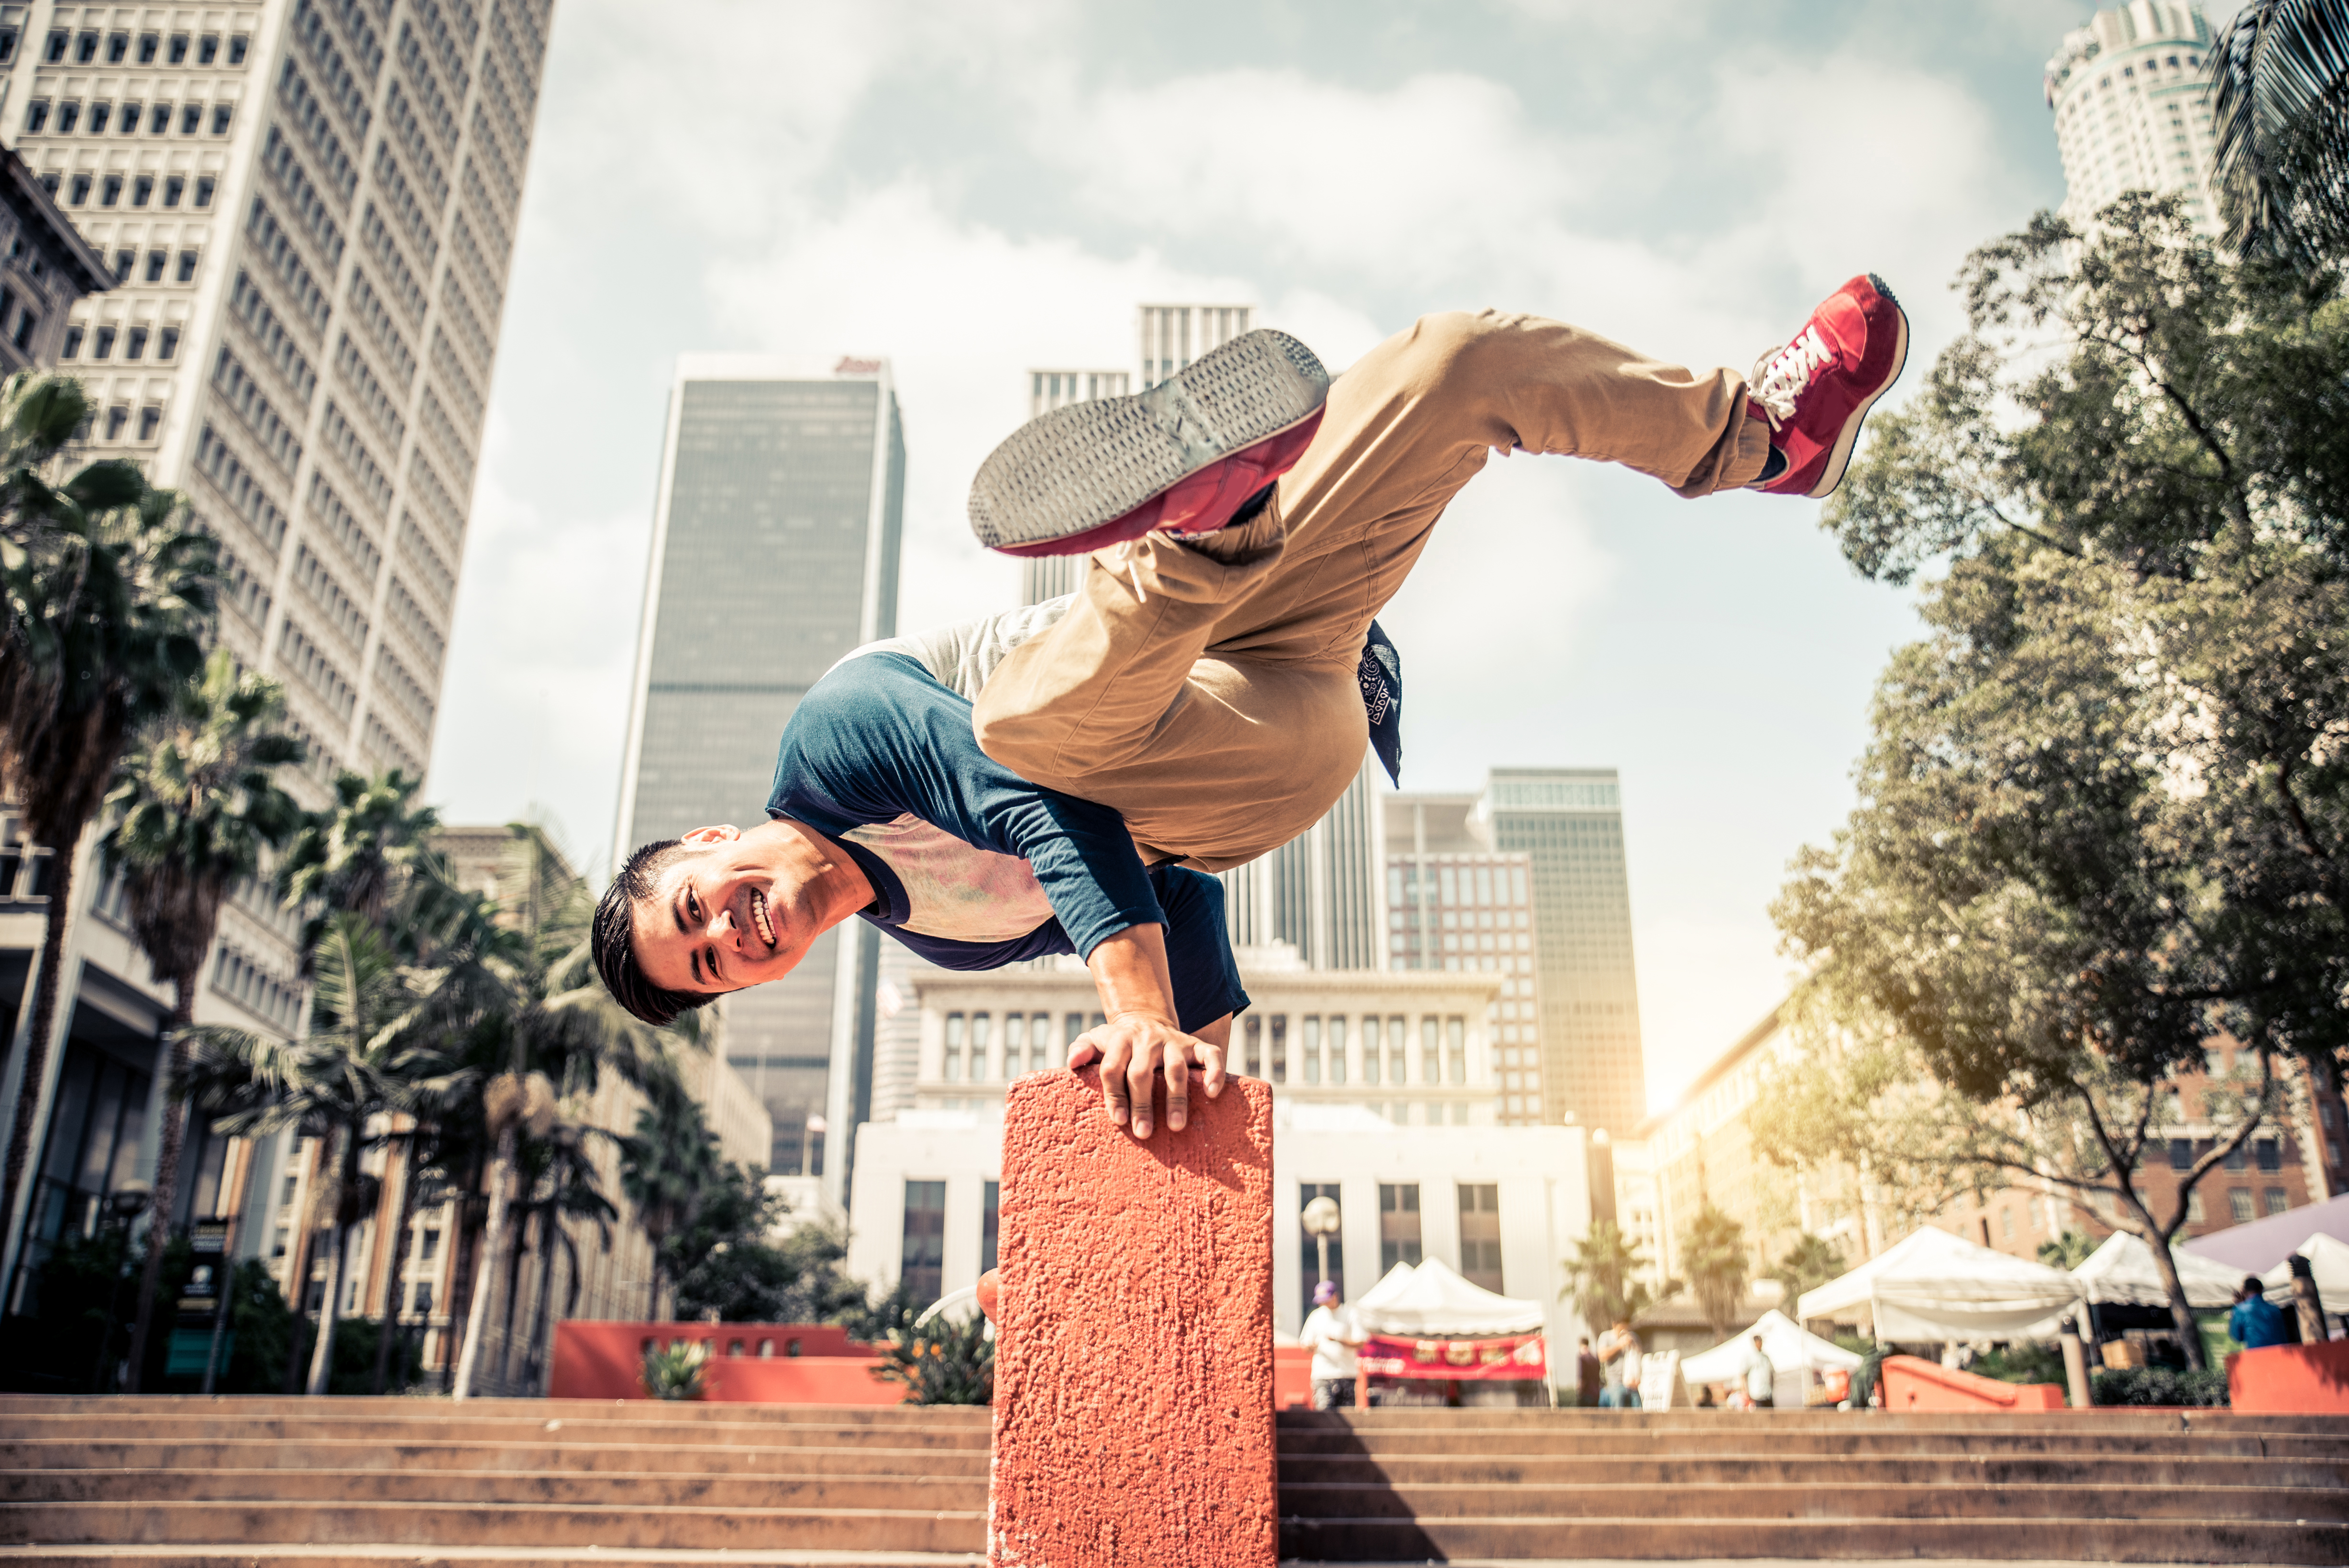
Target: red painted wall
1913	1383
605	1361
2291	1379
1292	1378
1133	1363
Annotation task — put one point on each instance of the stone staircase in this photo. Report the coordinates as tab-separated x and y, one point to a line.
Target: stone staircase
301	1484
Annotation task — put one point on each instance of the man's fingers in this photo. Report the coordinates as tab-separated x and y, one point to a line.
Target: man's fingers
1114	1083
1211	1068
1178	1090
1082	1052
1138	1073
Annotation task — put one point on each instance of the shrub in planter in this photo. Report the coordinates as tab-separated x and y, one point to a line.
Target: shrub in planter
678	1371
2158	1386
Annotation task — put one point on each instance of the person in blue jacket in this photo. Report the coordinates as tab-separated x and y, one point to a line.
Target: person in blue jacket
2257	1323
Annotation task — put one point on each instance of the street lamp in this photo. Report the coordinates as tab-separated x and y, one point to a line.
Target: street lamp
1321	1221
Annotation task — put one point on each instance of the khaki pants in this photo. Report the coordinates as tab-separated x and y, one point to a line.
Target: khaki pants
1217	707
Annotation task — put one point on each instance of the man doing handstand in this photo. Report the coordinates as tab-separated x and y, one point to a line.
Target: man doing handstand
1060	779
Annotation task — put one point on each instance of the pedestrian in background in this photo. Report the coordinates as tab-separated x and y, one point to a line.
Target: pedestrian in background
1620	1350
1332	1335
1587	1374
2257	1323
1761	1377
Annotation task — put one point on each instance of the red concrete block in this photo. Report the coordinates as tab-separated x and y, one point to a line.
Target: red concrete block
2291	1379
751	1362
1913	1383
1134	1369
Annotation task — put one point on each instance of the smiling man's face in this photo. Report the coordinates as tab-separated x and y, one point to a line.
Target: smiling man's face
727	912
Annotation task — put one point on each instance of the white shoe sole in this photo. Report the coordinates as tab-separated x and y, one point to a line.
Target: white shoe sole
1071	471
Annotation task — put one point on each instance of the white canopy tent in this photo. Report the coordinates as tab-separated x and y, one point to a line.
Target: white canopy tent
2328	1261
1789	1347
1930	1285
2121	1272
1432	1301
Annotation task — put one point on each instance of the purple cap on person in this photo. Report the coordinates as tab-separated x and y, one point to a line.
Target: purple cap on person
1325	1293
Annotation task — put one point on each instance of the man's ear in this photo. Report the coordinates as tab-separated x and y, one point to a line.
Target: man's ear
717	835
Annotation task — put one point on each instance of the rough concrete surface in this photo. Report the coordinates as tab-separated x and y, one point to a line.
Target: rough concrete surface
1133	1423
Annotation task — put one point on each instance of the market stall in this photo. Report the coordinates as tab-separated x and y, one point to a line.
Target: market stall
1429	1331
1933	1286
1794	1354
2121	1272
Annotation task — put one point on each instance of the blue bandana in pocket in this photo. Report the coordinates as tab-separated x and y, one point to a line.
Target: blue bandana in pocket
1380	674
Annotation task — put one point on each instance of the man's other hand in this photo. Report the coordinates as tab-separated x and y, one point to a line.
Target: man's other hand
1133	1049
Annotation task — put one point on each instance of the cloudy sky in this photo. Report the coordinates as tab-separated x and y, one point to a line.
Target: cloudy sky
973	190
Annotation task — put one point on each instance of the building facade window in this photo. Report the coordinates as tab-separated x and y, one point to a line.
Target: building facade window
1278	1028
951	1070
2277	1200
1480	1233
922	1268
1338	1050
2238	1204
991	1225
1398	1224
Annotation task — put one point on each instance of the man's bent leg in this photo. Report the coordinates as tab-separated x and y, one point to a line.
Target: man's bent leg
1207	689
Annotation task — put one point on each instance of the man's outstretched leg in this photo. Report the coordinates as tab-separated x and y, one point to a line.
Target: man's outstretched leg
1203	683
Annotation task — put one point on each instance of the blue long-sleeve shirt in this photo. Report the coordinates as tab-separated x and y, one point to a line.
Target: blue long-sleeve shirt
972	866
2257	1323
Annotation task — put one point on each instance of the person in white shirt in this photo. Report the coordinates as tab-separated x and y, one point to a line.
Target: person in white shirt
1332	1335
1618	1348
1761	1377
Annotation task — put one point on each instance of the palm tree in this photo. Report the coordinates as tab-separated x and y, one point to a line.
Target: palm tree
562	1183
1713	1253
1601	1276
543	1029
370	854
664	1167
363	1058
195	805
105	604
2281	112
1810	1263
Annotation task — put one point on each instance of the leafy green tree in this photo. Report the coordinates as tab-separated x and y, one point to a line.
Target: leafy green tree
2281	110
2104	815
1602	1277
726	1260
364	1057
560	1185
1809	1263
666	1166
535	1015
369	854
2068	1251
195	805
106	600
1712	1254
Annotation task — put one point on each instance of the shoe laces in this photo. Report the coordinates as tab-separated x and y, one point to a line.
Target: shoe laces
1788	374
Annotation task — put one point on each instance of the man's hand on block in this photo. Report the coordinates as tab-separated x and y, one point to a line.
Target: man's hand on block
1132	1048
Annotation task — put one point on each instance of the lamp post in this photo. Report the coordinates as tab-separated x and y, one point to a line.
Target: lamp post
1320	1220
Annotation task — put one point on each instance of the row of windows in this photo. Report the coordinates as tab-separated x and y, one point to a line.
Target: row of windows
368	306
1458	884
308	114
28	321
428	86
244	590
342	612
344	526
276	247
413	620
342	86
1468	964
101	116
238	487
147	49
242	391
368	393
406	689
308	660
1263	1048
387	748
2182	1152
159	265
427	484
309	207
104	337
254	987
75	191
270	335
418	549
343	438
398	276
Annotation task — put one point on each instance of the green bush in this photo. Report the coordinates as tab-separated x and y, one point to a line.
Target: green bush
943	1363
2158	1386
2023	1363
678	1371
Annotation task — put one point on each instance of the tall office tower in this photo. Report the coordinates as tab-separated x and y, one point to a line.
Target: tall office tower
1174	334
1454	902
774	552
1568	823
309	209
1323	892
2131	97
1045	577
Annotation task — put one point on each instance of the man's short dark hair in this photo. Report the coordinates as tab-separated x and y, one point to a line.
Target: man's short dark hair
2252	1286
614	940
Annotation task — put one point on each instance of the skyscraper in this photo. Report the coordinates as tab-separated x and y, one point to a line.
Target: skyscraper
1570	1005
1568	823
2131	96
309	210
774	552
1174	334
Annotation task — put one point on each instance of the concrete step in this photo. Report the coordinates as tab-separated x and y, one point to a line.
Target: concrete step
1757	1469
1816	1500
2107	1417
543	1527
825	1493
327	1429
1854	1442
577	1459
1681	1539
380	1556
683	1412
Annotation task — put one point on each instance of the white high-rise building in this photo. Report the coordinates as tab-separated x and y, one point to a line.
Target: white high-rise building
1045	577
1174	334
309	209
2131	96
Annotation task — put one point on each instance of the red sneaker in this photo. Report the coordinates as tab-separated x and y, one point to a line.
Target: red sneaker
1816	390
1184	456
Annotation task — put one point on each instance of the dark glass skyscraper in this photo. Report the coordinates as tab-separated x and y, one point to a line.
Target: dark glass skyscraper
775	547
